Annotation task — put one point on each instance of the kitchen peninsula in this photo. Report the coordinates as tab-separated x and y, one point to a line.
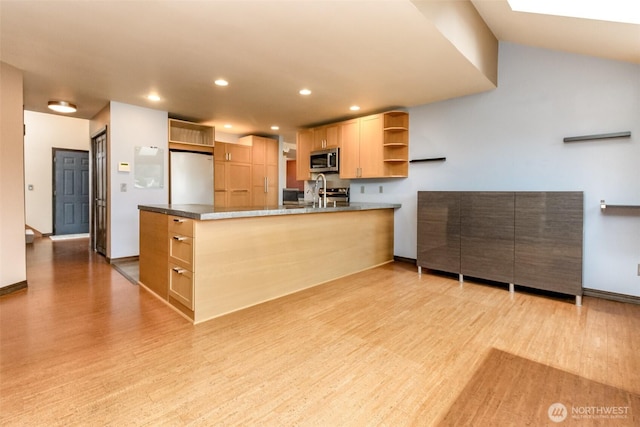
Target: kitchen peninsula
206	261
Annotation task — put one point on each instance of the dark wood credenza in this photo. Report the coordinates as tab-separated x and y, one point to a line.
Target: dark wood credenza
532	239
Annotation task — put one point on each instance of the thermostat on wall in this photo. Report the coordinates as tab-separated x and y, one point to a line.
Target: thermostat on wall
124	167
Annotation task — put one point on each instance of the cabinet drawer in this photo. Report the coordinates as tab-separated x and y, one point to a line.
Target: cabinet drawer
181	250
180	225
181	285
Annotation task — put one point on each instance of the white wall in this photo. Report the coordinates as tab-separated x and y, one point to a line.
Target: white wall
13	259
132	127
43	133
511	139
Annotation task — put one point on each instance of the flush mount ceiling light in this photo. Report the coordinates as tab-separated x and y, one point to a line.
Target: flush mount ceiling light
304	92
354	108
274	127
228	126
62	107
221	82
153	97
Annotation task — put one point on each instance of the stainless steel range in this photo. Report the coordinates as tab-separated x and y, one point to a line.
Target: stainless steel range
338	196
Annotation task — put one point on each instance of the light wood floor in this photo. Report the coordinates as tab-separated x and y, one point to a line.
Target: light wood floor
84	346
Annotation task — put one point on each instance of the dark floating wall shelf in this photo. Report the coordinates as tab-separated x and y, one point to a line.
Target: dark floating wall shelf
599	136
604	205
432	159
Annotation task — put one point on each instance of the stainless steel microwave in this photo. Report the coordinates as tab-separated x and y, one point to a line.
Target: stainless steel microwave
325	160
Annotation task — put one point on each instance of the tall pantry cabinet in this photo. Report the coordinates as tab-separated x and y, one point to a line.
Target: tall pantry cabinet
264	170
232	175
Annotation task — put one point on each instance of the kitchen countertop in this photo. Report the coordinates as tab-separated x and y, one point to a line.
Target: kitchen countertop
209	212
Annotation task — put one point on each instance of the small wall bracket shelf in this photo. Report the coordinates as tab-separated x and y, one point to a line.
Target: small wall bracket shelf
604	205
432	159
598	136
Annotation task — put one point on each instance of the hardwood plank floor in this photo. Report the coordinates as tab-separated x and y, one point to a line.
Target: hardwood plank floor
84	346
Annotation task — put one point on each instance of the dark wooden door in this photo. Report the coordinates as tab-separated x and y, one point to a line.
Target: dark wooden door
99	190
548	244
70	191
487	235
439	230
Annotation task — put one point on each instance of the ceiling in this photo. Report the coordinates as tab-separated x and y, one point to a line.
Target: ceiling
377	54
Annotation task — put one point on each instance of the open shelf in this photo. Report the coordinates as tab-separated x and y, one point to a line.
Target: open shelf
396	144
612	135
396	120
430	159
604	206
182	132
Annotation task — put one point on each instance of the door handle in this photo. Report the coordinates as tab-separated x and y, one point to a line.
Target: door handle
179	238
179	270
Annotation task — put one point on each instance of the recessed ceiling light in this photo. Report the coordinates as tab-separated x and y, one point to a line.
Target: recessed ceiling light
228	126
221	82
354	108
153	97
304	92
62	107
275	127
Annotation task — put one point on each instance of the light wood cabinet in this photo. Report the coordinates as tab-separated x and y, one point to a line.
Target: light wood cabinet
374	146
232	175
304	144
264	170
361	155
154	252
181	244
191	136
233	263
349	133
181	286
371	154
325	137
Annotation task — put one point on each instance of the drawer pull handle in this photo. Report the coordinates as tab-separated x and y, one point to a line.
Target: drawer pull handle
179	238
179	270
178	220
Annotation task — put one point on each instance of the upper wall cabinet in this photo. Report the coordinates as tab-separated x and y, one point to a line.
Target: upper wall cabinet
375	146
304	146
190	136
379	148
325	137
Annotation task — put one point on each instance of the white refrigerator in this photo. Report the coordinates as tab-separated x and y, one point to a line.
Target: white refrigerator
191	178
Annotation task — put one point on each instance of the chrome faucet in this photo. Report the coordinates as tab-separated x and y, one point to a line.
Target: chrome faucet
322	204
